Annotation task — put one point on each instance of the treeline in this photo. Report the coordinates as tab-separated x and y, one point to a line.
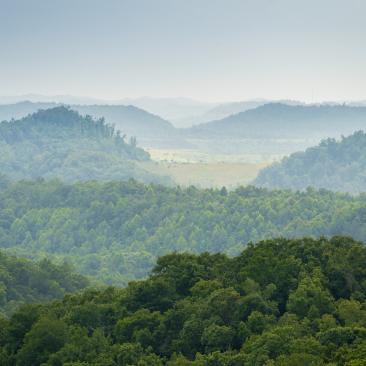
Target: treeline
61	143
280	303
115	231
23	281
336	165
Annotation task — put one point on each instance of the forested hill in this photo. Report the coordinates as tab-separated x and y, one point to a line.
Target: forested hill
277	120
23	281
115	231
61	143
279	303
131	120
336	165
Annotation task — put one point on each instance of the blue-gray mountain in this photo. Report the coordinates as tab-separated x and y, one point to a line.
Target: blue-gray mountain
278	121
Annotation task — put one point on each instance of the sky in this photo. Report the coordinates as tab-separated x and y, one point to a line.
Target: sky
211	50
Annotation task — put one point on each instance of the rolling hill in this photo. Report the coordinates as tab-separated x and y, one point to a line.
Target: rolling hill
281	121
149	129
336	165
130	120
60	143
115	231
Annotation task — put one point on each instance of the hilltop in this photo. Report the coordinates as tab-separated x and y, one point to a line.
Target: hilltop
279	121
336	165
131	120
60	143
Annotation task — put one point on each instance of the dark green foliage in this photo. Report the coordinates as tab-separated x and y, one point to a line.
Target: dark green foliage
251	310
61	143
115	231
338	166
22	281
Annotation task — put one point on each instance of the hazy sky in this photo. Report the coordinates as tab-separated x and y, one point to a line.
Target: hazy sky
206	49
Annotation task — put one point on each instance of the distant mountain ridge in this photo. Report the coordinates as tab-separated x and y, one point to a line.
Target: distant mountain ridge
169	108
335	165
60	143
224	110
277	120
269	131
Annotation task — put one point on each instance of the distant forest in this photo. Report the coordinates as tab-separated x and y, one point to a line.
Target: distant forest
115	231
335	165
23	282
60	143
280	303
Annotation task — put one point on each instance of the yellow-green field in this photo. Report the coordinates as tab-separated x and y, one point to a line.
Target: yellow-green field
201	156
207	175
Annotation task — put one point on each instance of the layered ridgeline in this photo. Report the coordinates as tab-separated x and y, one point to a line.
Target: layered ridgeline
336	165
279	303
149	128
115	231
279	121
23	281
61	143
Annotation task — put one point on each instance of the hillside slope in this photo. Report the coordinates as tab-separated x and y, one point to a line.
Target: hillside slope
23	281
276	120
60	143
336	165
130	120
149	129
281	303
115	231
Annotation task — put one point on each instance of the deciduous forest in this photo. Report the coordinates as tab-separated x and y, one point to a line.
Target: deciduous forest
115	231
280	302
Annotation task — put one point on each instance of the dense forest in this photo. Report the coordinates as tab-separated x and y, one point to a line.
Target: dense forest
280	303
115	231
335	165
61	143
23	281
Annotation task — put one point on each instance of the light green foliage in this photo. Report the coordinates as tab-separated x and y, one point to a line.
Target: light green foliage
310	299
115	231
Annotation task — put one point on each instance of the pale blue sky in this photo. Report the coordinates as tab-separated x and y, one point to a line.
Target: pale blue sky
215	50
